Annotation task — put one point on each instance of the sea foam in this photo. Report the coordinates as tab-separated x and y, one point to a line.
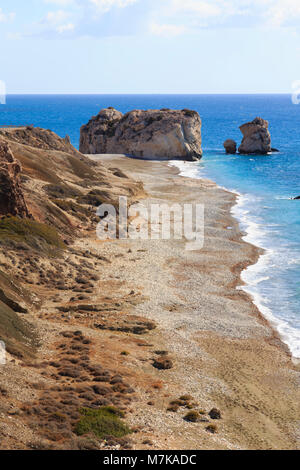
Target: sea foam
256	275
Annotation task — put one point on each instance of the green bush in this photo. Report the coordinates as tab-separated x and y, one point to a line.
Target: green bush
103	422
34	234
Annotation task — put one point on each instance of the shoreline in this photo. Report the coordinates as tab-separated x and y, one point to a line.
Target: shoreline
217	323
287	337
276	323
144	303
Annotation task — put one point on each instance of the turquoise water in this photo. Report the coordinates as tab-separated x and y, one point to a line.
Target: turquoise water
265	184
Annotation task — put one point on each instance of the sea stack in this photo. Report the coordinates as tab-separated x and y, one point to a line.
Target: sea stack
257	139
230	146
154	134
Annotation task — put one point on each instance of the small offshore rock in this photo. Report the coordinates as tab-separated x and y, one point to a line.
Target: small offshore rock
230	146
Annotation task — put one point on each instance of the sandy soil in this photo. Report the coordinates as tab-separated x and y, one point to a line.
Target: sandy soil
225	354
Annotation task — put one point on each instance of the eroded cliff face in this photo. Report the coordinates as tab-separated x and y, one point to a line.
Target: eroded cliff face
257	138
158	134
12	199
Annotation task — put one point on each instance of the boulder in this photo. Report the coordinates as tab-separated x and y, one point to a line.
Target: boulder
257	139
11	195
152	134
230	146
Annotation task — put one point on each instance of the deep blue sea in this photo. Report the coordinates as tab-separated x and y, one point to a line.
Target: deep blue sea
265	184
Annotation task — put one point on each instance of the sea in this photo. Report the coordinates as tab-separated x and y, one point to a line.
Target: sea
265	185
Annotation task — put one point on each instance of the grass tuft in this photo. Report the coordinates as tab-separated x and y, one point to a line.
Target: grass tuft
34	234
103	422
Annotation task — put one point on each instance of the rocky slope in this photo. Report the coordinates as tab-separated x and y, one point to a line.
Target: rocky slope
164	134
49	288
11	196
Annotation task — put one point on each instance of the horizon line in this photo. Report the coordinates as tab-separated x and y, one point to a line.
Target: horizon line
143	94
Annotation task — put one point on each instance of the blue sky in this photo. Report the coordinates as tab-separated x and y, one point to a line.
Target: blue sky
149	46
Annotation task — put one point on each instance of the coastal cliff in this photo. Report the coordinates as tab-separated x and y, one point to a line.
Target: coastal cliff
11	195
152	134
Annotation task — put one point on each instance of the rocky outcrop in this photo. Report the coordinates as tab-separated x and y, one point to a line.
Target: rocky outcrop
157	134
38	138
230	146
11	195
296	198
257	139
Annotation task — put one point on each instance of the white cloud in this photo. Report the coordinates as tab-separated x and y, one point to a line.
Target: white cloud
58	22
56	17
62	3
165	18
5	17
191	15
195	14
283	12
204	8
166	30
64	28
106	5
85	17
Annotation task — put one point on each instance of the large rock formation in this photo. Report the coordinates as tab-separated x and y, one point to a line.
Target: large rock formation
164	134
11	195
257	139
230	146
